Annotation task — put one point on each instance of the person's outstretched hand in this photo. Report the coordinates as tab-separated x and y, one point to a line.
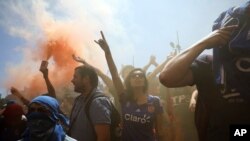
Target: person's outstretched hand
103	43
219	37
81	60
153	60
192	105
44	71
15	92
78	59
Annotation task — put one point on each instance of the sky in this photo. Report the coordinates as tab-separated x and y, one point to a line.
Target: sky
134	29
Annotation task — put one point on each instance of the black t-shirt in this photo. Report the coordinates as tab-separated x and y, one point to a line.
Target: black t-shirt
222	110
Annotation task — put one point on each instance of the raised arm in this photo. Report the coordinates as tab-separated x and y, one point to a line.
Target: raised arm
17	93
158	69
192	103
104	77
50	88
111	64
151	62
177	71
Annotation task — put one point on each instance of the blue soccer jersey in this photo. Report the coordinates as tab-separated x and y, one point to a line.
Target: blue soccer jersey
139	120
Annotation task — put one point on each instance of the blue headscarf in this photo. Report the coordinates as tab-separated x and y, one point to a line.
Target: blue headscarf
52	105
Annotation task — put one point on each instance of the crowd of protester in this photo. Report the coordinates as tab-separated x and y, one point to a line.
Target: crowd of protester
184	104
68	121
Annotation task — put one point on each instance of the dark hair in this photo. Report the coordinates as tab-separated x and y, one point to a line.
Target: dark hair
90	72
128	84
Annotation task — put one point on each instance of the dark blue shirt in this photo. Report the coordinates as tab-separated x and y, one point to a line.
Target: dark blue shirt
139	120
222	109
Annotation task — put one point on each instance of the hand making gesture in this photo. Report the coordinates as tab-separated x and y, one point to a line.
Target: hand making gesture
78	59
81	60
103	43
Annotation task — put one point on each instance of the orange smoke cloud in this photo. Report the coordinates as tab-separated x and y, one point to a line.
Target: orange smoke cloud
53	38
56	48
60	70
35	87
61	66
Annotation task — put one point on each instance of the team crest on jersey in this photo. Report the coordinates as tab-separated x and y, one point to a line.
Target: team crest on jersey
151	108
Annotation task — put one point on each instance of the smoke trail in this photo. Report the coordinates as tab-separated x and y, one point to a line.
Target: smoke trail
54	31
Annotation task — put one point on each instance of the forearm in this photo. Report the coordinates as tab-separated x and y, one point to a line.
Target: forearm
156	64
145	68
177	68
111	64
105	78
24	100
194	95
157	70
102	132
114	73
16	92
50	88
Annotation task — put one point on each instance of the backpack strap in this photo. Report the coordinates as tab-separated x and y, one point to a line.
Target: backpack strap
115	132
73	119
87	106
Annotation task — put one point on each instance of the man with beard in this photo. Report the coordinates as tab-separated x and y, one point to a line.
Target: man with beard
96	125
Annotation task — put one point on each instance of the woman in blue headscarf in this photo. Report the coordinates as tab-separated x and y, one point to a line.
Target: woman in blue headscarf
45	123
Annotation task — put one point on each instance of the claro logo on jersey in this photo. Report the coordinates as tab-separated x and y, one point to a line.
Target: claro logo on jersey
134	118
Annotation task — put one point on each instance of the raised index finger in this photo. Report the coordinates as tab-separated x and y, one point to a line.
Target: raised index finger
103	37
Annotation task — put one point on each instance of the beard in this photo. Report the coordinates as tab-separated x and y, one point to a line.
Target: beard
81	89
78	88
